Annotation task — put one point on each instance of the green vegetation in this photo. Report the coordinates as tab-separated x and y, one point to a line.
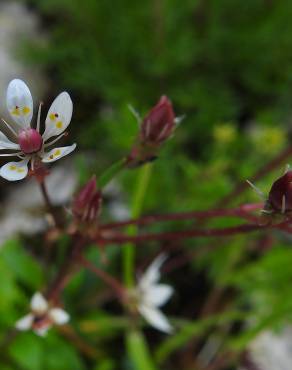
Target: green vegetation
227	66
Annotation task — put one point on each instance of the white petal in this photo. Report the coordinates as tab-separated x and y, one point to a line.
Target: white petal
157	295
155	318
39	304
57	153
59	116
59	316
152	274
14	171
19	103
25	322
5	143
42	331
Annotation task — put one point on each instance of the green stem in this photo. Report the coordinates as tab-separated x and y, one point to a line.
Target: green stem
137	203
110	173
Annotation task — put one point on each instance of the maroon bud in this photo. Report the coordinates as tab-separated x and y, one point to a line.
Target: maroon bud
93	208
280	196
30	141
159	123
87	203
85	194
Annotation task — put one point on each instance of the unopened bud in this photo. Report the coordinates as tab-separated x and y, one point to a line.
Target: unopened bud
87	203
159	123
30	141
156	127
280	196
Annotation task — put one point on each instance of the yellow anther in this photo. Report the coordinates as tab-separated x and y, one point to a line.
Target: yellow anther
15	111
25	110
12	168
52	116
59	124
20	170
57	152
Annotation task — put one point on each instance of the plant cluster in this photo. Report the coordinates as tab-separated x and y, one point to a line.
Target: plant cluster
223	254
86	230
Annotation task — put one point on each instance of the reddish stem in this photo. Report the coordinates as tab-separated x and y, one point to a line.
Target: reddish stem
176	235
242	212
242	186
65	271
115	284
48	202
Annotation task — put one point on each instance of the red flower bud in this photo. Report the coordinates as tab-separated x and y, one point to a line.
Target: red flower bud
94	207
159	123
87	203
280	196
85	194
30	141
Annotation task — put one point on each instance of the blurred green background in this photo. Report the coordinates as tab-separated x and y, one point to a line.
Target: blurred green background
227	66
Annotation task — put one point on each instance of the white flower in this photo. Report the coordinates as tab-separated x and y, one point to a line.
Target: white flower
42	317
150	296
29	145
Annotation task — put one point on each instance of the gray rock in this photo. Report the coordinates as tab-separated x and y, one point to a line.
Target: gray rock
272	351
22	210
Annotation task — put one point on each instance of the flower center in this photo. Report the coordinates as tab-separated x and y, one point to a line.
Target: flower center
30	141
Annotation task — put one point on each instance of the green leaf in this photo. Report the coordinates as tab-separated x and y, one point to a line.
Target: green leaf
27	351
192	330
138	351
60	355
22	264
107	364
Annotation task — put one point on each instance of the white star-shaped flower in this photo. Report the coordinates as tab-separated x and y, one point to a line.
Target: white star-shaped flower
42	316
150	296
29	145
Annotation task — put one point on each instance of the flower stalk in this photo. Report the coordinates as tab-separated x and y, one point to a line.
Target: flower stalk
111	172
137	204
48	203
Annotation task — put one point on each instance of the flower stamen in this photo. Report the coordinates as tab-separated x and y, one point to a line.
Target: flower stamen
11	154
55	140
39	117
9	127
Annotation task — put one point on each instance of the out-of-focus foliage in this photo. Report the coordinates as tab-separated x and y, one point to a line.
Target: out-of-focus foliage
218	61
226	65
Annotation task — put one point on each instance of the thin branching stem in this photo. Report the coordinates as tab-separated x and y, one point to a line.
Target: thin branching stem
66	270
241	212
266	169
109	280
185	234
